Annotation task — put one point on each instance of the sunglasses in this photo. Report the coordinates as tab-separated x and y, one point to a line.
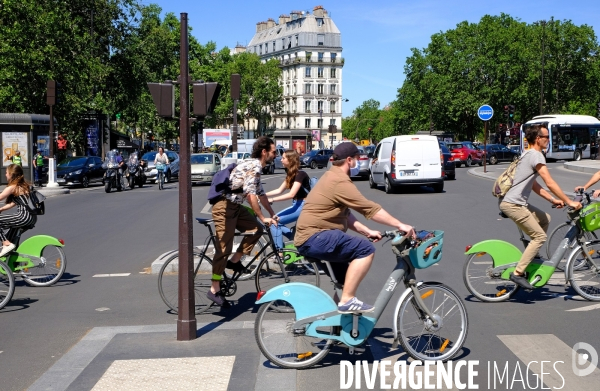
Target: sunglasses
544	136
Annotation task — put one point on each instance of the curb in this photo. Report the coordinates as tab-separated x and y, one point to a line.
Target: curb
52	191
581	168
159	262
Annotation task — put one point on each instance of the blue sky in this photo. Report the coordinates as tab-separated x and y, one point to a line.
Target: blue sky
377	35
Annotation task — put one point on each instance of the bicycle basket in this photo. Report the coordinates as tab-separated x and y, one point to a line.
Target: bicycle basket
161	166
590	217
428	252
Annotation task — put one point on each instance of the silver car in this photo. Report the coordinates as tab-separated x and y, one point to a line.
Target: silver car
204	166
151	171
364	161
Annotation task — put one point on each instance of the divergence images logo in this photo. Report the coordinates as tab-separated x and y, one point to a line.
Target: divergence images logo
581	352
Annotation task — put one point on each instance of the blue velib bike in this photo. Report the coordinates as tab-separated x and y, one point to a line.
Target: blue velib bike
430	320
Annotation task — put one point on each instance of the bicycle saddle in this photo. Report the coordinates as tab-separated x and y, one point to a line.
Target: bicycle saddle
204	221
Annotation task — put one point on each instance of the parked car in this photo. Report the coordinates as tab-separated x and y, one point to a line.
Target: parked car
364	161
465	153
449	165
204	166
515	148
407	160
79	171
150	168
316	158
278	164
500	153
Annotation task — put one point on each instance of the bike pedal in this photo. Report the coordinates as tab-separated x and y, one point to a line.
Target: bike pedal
354	350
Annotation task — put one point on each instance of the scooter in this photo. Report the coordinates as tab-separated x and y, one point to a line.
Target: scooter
111	176
135	172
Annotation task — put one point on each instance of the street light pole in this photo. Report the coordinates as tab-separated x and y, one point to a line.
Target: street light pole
543	22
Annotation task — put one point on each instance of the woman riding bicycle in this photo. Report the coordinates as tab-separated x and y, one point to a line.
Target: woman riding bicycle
299	184
16	194
161	157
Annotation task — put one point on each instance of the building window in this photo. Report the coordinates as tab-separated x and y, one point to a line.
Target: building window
307	123
333	73
296	41
320	72
320	123
259	49
307	88
308	56
332	121
332	106
320	39
307	72
320	89
333	57
320	56
320	106
266	48
333	91
294	89
273	45
319	22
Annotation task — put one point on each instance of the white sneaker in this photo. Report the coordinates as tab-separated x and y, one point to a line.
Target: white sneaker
6	249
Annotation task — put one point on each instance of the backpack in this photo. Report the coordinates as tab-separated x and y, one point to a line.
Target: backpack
505	181
312	182
35	202
220	184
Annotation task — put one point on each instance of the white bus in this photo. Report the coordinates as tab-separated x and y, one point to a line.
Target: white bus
572	137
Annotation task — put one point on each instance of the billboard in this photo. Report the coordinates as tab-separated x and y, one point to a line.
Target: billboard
209	136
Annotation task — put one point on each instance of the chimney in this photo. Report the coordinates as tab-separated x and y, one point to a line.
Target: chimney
318	11
283	19
270	23
261	26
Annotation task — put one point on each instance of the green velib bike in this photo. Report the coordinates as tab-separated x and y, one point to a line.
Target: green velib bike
39	261
490	263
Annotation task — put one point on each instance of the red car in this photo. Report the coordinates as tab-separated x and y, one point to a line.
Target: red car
464	152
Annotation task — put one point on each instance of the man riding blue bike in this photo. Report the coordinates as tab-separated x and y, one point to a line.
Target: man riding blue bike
322	225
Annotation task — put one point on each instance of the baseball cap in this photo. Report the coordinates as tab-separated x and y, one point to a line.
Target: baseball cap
344	150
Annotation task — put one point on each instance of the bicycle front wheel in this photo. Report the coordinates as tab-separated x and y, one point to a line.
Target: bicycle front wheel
7	284
586	280
168	282
483	282
423	340
48	270
554	239
285	346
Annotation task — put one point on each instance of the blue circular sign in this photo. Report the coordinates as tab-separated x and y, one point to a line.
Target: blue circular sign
485	112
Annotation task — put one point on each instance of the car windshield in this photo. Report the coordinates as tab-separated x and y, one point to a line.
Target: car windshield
201	159
149	156
73	162
369	149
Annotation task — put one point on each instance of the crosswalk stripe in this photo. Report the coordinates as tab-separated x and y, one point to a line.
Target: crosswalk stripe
548	347
586	308
112	275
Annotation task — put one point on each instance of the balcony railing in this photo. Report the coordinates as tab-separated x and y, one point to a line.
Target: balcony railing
306	60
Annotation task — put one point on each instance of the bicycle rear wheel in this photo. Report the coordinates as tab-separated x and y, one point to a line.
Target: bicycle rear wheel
48	270
284	346
586	280
168	282
419	337
554	239
7	284
273	272
483	282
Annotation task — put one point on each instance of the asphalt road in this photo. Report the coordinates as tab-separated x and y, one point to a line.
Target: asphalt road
124	232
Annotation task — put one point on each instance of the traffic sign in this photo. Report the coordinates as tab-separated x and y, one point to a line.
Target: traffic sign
485	112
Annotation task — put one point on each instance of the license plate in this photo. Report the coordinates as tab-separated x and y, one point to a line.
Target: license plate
408	173
60	180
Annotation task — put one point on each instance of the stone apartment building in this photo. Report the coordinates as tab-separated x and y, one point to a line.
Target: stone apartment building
309	49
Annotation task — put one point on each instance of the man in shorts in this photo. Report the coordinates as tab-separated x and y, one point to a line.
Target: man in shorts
325	218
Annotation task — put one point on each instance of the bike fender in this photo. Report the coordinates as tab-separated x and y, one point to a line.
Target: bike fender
501	252
397	311
35	244
307	300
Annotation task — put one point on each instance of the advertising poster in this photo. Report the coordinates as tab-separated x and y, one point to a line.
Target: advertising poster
43	144
316	135
211	135
285	144
299	146
93	138
12	142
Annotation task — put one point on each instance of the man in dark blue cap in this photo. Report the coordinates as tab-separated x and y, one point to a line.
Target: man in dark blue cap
325	218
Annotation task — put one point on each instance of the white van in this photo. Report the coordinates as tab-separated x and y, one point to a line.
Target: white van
407	160
244	150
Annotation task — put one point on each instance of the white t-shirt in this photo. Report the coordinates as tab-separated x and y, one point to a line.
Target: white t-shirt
523	181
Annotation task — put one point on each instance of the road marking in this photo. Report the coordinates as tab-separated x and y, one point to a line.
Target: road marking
206	209
548	347
586	308
102	309
112	275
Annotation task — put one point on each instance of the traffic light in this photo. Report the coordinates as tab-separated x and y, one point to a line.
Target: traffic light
53	92
511	111
118	116
205	98
506	111
163	95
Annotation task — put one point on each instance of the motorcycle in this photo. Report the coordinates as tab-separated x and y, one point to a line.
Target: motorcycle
111	176
135	171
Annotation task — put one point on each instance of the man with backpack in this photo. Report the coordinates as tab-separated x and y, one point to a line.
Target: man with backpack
227	195
514	204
